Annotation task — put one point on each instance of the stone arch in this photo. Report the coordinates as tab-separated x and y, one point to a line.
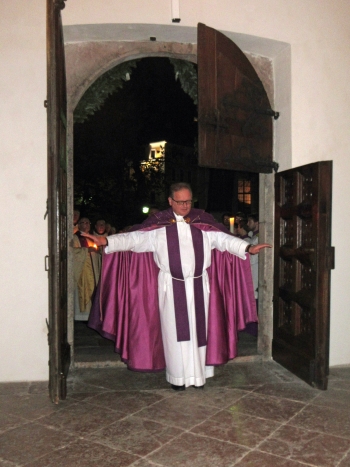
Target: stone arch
105	56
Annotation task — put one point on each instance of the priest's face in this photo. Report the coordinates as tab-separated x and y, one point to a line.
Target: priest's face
181	202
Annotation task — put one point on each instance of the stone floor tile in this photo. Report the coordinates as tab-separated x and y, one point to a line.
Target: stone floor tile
146	463
212	396
339	384
125	402
261	459
10	389
4	463
336	398
177	412
272	408
345	462
38	387
191	450
122	379
82	453
340	372
323	419
236	428
81	418
135	435
30	406
243	375
8	421
236	375
29	441
80	390
310	447
294	391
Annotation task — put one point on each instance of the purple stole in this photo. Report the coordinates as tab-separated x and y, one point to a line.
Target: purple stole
180	302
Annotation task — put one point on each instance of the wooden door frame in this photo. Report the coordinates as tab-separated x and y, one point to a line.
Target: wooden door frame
266	202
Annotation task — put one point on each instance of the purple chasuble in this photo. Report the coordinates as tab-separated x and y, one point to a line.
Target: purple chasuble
179	290
126	308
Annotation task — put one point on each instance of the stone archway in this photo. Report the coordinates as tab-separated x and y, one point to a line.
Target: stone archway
85	62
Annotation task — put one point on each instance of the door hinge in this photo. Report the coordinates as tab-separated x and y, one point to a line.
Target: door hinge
48	332
47	268
47	209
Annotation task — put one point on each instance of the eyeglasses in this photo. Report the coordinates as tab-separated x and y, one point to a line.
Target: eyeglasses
183	203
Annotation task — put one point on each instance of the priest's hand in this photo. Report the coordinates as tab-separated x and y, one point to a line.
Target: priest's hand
255	249
97	239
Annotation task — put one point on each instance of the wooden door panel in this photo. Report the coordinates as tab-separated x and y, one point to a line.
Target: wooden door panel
234	114
303	259
59	349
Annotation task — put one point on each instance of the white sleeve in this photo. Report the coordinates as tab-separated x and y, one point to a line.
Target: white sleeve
224	242
139	242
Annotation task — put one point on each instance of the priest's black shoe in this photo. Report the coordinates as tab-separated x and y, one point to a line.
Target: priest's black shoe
178	388
199	387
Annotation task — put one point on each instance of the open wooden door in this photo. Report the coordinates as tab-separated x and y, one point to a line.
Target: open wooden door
303	260
234	113
59	349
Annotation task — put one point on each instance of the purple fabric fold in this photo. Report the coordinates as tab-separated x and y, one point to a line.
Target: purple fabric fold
126	309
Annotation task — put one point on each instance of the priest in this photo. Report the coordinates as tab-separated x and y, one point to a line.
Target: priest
178	294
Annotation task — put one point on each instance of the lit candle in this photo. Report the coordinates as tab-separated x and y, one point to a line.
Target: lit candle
232	224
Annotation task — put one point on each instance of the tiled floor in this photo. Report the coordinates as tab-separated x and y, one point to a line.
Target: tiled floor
249	414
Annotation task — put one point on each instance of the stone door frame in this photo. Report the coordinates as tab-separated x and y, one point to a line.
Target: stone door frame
85	62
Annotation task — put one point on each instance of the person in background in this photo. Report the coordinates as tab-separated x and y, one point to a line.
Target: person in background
243	230
240	216
87	268
100	228
225	219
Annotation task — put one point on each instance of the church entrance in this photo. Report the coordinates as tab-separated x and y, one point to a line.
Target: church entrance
87	346
79	78
120	170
